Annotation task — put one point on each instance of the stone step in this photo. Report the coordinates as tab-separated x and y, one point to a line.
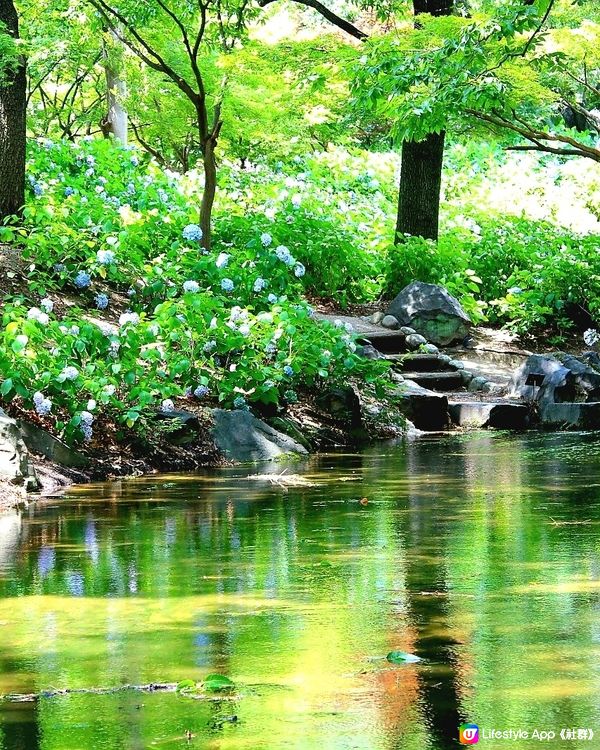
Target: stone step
501	415
571	415
420	363
426	409
386	342
436	381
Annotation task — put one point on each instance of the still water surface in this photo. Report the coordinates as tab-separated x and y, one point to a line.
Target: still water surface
480	554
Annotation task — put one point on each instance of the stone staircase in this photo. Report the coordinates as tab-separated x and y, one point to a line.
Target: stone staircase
462	398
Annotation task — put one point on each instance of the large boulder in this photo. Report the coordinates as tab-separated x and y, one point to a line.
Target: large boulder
241	436
432	311
556	378
39	441
15	465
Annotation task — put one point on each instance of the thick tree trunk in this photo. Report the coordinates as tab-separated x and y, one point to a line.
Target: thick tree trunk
116	122
422	162
13	103
420	185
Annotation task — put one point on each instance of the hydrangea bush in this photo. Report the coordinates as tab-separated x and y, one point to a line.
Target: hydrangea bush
230	326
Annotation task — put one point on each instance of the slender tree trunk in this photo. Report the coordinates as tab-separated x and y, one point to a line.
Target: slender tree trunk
420	185
422	162
210	189
116	122
13	104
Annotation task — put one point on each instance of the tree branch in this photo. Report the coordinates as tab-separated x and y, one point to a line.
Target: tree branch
341	23
540	138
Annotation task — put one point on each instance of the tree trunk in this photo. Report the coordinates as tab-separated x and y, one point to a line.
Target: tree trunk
210	188
116	90
420	185
422	162
13	104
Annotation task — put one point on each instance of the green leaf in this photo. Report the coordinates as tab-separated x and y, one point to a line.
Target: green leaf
218	683
401	657
185	685
6	386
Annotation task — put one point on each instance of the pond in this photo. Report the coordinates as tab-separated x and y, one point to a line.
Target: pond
478	553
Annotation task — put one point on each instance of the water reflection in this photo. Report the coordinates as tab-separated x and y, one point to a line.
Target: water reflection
479	553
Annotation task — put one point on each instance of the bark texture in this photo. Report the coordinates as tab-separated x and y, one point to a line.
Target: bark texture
13	103
422	162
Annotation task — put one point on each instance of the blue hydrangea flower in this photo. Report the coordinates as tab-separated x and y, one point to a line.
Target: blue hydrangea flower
191	286
222	260
227	285
192	233
134	160
272	299
36	314
69	191
239	402
69	373
266	239
291	396
129	317
86	417
87	431
289	371
83	280
105	257
90	161
299	271
244	329
209	346
167	405
47	304
38	189
43	405
101	301
284	255
201	391
59	267
259	285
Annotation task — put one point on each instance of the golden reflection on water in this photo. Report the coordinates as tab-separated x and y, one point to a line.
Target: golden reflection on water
298	594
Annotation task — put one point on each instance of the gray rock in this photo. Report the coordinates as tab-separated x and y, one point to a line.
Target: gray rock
432	311
415	340
407	330
557	378
42	442
502	415
240	436
466	376
377	317
478	384
430	349
389	321
571	416
368	352
457	364
15	465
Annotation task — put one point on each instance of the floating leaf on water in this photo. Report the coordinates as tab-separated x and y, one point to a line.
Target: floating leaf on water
185	685
401	657
218	683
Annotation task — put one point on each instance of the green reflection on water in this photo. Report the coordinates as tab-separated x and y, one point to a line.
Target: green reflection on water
480	554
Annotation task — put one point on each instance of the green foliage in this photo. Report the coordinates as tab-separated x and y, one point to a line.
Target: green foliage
9	54
229	326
